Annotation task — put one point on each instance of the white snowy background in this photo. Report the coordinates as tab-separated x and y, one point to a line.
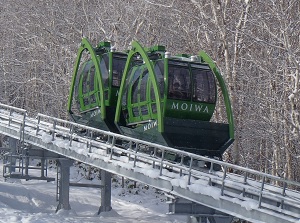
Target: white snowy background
34	201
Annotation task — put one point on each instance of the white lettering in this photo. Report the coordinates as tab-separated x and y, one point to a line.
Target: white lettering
150	125
184	106
190	107
198	107
174	106
94	113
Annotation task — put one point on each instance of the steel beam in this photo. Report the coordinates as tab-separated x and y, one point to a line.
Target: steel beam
64	188
105	192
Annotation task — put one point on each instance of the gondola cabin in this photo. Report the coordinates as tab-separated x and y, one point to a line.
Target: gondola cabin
95	85
148	94
170	100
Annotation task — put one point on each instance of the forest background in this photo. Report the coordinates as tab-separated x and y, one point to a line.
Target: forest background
255	43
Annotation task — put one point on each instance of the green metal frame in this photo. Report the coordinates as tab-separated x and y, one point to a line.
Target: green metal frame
138	49
203	55
85	45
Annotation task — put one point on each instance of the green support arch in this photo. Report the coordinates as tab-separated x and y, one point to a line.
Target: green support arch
85	45
137	48
221	81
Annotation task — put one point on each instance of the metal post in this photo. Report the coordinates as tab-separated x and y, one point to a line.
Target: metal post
283	194
245	182
42	167
181	163
105	192
64	187
53	131
27	166
154	155
13	151
223	181
136	149
190	171
161	162
261	192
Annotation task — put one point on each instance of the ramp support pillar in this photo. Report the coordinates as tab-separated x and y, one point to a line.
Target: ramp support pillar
105	192
63	184
13	151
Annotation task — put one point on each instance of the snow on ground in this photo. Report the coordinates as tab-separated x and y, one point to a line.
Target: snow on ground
34	201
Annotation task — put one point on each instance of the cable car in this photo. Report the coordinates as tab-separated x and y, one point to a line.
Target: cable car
170	100
148	94
95	85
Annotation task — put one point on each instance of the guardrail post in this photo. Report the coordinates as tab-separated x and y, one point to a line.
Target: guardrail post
283	194
211	169
245	182
71	135
154	155
54	127
22	129
261	191
190	171
161	162
38	125
136	149
90	142
181	163
223	181
9	119
130	149
112	147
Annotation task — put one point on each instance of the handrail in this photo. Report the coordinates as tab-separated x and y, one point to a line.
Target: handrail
154	145
155	155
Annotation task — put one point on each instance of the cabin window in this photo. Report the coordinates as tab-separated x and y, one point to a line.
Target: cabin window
143	86
104	65
179	83
204	89
153	102
118	66
88	84
135	92
138	94
159	72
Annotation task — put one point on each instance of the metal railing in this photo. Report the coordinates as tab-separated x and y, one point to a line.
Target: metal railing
163	161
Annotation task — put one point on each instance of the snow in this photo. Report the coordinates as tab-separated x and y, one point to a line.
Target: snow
34	201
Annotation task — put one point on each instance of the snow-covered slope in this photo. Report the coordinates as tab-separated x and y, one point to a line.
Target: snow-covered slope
35	202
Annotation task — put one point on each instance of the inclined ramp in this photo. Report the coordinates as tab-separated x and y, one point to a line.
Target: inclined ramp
266	199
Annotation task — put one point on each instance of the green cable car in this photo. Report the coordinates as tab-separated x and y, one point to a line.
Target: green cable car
170	100
95	86
148	94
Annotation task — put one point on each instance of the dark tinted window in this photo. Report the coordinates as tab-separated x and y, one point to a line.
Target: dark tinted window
92	78
204	89
118	66
104	69
131	79
135	91
159	72
179	82
85	74
143	86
